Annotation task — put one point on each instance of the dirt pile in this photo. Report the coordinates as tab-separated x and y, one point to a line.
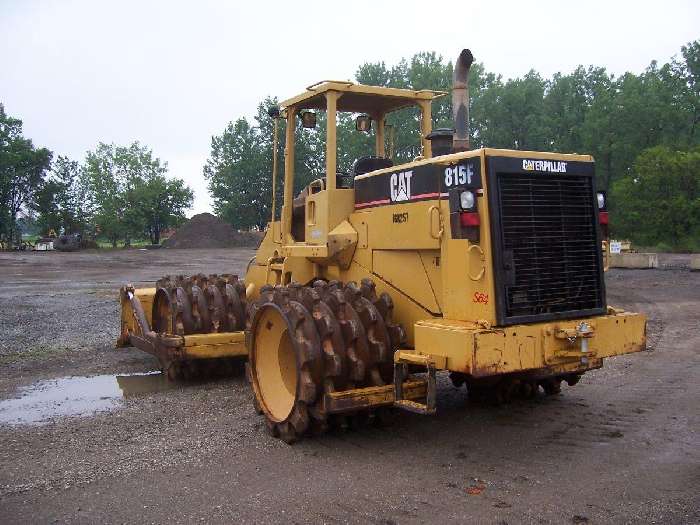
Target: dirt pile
208	231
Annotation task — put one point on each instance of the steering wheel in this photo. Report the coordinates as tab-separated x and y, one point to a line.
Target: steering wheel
343	180
317	185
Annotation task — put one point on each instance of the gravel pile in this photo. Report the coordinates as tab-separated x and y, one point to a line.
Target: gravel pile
208	231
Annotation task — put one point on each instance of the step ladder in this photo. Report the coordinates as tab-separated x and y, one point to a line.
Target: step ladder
402	359
275	267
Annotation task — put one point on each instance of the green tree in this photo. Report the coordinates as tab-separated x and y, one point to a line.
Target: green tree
22	171
162	203
46	205
108	183
425	70
62	203
659	200
238	180
686	73
566	104
513	113
129	192
598	131
586	111
239	167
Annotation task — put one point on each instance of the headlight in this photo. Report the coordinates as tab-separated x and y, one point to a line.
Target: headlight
601	200
466	200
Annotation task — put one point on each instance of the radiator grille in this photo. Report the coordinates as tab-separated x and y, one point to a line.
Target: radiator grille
550	252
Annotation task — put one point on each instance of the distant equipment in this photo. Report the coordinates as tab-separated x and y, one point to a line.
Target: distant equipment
68	243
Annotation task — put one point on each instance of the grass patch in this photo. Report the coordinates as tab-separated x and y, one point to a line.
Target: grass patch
107	245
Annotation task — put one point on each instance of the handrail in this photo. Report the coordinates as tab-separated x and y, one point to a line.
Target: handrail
436	93
441	229
606	255
482	257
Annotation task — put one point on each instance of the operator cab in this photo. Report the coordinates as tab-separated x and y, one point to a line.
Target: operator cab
307	217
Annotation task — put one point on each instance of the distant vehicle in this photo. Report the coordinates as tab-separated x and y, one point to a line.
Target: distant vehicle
68	243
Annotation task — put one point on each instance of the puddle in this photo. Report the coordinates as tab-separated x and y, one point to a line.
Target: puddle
77	396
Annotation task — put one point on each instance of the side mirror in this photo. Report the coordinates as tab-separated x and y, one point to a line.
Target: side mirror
308	119
363	123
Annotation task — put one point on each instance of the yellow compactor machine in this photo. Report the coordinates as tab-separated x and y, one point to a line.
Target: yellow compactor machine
484	263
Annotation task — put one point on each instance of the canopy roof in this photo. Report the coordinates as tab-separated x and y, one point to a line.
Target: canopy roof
359	98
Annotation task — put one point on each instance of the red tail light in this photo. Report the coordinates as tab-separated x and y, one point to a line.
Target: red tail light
469	218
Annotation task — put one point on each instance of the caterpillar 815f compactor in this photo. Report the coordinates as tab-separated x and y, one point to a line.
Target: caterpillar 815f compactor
484	263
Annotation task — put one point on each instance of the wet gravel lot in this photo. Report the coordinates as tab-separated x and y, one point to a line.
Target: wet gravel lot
620	447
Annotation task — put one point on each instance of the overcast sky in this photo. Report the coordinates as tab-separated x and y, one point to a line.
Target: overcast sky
172	74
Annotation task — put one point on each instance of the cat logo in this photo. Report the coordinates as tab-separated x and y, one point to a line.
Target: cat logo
552	166
400	185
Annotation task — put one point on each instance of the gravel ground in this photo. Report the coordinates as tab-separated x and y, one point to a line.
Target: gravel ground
620	447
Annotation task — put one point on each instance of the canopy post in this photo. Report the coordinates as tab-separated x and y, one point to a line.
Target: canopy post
426	126
379	136
288	177
331	138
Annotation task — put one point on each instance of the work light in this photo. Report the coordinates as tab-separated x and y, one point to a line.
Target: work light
363	123
308	119
466	200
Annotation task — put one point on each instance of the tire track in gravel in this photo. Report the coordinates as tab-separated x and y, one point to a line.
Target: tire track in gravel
635	402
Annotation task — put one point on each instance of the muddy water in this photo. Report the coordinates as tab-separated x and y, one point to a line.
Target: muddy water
77	396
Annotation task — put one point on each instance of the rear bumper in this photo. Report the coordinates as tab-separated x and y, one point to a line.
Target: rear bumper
479	350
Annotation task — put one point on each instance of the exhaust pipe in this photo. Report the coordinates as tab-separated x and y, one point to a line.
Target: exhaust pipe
460	101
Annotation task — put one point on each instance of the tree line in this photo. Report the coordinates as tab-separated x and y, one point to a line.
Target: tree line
117	193
641	128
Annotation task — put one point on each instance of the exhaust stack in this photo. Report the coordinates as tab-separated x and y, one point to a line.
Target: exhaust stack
460	101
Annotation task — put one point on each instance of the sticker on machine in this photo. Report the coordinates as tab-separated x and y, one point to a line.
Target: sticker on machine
423	182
